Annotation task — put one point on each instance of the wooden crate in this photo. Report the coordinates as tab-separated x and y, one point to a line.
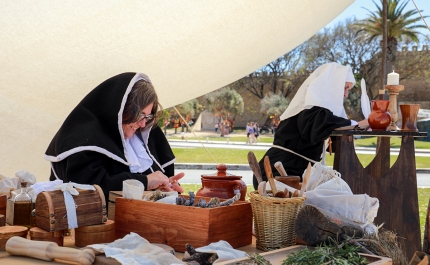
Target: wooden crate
111	203
276	257
176	225
51	214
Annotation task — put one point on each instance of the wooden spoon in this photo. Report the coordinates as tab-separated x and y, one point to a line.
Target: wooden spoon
255	167
269	175
305	179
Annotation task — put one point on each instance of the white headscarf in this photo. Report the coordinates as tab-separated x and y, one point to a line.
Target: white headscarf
323	88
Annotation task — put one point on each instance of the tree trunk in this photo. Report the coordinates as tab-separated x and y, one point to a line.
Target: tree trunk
314	226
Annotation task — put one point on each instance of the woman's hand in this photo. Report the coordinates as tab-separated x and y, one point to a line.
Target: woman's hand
158	180
363	124
174	182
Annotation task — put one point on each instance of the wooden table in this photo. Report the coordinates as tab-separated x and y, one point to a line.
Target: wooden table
395	187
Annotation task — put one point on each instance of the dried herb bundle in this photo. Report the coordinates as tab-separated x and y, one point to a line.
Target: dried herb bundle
332	253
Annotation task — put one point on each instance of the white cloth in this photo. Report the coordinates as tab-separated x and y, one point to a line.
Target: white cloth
326	190
323	88
134	249
8	184
137	156
224	251
68	190
169	199
26	176
38	187
365	103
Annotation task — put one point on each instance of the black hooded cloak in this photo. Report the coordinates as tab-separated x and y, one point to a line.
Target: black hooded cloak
89	148
304	134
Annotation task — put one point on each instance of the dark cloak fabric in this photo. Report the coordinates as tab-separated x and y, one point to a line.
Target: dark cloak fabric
304	134
89	148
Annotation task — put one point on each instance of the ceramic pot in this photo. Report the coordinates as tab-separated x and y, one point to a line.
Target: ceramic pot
380	118
222	185
409	117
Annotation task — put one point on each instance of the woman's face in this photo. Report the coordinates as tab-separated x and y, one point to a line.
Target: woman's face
130	129
348	86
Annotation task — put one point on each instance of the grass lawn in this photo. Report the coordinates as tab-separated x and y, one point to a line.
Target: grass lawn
239	156
423	200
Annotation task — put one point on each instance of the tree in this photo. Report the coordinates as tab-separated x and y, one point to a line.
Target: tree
279	75
400	24
189	108
274	104
225	103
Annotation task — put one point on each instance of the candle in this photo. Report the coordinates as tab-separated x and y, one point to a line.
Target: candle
393	79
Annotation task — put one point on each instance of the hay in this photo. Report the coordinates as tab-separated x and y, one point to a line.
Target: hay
385	244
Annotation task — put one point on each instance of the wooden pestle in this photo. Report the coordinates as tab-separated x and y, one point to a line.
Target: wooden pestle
49	251
305	179
280	168
268	169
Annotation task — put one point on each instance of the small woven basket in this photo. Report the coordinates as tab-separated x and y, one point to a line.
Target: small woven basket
274	220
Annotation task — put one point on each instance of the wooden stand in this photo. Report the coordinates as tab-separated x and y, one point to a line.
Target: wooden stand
393	91
395	187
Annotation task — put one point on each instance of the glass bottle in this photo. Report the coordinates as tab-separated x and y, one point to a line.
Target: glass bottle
22	207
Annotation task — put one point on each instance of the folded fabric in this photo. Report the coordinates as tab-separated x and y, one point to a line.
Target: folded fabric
134	249
8	184
224	251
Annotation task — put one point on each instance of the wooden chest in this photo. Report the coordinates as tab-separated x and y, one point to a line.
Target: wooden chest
176	225
51	214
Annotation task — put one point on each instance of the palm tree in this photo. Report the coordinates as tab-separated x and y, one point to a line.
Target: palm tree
400	24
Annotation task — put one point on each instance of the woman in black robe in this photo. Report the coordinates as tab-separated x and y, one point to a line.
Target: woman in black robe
315	111
111	136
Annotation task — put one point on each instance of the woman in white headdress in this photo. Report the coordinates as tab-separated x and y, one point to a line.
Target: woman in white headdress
315	111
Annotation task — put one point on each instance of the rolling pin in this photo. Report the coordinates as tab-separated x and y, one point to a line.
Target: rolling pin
278	165
268	169
49	251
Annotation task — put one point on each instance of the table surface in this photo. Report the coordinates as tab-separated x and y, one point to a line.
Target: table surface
5	258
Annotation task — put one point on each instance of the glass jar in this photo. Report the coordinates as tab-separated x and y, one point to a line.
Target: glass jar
22	207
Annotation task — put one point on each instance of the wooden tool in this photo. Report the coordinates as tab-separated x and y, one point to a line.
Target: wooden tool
278	165
268	169
305	179
49	251
255	167
262	188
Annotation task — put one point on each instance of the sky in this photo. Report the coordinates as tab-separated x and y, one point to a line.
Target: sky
356	9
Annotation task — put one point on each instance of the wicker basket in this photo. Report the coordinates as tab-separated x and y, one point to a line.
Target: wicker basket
274	220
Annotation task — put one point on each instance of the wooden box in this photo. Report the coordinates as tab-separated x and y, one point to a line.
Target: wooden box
275	257
51	214
95	234
176	225
3	199
7	232
39	234
111	203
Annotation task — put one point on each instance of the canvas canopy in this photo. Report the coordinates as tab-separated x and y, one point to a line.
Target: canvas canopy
53	53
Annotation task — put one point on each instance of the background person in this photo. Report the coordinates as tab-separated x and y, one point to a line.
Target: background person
315	111
111	136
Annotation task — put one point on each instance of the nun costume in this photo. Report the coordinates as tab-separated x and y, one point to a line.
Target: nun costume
315	111
90	147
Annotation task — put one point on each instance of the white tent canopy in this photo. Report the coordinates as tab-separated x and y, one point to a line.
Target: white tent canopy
52	53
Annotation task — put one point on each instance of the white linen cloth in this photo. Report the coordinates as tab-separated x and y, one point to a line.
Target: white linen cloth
26	176
365	103
134	249
137	156
323	88
38	187
224	251
68	190
326	190
8	184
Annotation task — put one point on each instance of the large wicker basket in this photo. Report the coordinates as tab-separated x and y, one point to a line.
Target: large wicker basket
274	220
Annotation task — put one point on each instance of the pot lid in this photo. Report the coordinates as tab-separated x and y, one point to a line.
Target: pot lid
221	174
